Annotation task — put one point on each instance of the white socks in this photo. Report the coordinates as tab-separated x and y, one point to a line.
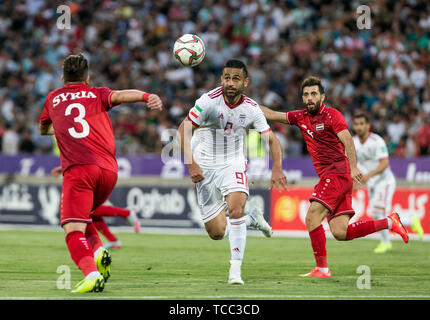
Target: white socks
323	270
93	275
237	238
96	253
235	269
390	223
227	228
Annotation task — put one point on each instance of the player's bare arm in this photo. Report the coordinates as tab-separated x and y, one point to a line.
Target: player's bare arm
132	96
346	138
383	164
274	115
184	135
278	179
46	129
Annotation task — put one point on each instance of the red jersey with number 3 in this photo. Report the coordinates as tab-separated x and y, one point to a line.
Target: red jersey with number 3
320	133
81	124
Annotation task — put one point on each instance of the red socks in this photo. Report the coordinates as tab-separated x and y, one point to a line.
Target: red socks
355	230
363	228
93	237
318	241
109	211
81	252
101	226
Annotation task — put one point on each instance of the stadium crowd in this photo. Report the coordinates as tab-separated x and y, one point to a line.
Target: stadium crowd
382	71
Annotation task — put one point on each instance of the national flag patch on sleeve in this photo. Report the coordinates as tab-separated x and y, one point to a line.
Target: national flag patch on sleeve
195	112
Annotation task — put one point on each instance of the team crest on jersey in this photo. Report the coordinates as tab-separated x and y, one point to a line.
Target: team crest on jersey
319	127
242	119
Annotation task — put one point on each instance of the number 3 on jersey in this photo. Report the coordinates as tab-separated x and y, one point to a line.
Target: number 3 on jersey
79	119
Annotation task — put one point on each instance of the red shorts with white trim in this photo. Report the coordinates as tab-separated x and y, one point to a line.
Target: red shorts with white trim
85	188
334	191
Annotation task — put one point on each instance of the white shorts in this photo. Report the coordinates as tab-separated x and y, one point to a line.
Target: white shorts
381	195
217	184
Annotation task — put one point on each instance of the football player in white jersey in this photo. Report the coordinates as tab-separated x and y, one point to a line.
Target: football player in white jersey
372	158
212	140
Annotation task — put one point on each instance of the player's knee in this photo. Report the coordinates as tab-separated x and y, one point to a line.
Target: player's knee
235	212
74	226
313	218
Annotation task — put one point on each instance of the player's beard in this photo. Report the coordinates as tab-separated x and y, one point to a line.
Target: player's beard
316	108
361	135
233	94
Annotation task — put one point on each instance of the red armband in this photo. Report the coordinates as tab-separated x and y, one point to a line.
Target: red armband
145	96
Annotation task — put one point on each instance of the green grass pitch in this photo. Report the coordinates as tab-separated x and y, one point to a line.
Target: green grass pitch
154	266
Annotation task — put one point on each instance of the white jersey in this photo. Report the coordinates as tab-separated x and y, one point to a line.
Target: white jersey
368	155
220	137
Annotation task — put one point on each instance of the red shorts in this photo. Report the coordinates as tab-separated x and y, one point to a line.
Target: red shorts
334	191
85	187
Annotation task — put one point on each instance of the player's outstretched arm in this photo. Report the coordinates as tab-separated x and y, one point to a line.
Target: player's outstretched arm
132	96
184	135
274	115
46	129
346	138
278	179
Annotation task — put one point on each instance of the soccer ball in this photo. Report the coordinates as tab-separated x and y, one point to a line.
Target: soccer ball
189	50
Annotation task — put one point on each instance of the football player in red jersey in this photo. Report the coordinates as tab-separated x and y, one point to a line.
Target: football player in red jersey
77	115
327	138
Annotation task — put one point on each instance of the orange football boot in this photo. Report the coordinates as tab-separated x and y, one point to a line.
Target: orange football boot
317	273
398	227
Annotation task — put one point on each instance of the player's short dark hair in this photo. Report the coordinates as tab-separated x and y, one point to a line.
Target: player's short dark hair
361	115
234	63
312	81
75	68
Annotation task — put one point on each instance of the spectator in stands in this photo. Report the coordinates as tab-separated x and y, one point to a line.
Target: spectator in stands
10	140
424	138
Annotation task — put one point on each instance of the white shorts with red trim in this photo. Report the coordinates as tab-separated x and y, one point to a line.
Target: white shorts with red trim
217	184
381	195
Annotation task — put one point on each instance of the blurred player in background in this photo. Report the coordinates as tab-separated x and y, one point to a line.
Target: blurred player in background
327	138
216	161
373	162
108	210
77	115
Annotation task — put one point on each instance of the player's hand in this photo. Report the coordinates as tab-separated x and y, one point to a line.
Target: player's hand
356	175
365	179
196	173
56	172
278	180
154	102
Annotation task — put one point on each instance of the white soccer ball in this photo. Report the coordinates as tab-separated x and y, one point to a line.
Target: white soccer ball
189	50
